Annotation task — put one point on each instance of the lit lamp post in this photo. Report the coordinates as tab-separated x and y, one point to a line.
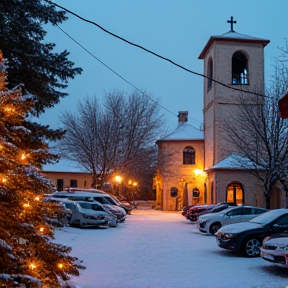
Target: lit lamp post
134	191
118	179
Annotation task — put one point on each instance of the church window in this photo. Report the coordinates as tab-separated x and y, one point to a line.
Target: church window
239	69
210	73
235	193
188	155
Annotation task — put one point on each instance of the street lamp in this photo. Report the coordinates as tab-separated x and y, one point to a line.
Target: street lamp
118	179
133	193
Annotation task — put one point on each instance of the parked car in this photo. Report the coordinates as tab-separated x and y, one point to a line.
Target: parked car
123	203
275	249
185	210
217	208
194	212
86	214
247	237
212	222
102	198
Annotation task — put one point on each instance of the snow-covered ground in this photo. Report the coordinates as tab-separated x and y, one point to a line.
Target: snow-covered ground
156	249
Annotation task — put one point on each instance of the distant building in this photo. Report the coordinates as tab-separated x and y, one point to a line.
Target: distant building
197	166
67	174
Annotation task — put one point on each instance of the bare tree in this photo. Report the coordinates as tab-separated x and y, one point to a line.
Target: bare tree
261	135
115	135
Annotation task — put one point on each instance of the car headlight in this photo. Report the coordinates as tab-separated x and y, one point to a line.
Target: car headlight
228	236
284	247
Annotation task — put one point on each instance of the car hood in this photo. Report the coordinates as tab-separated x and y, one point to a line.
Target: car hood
240	227
277	241
115	208
215	215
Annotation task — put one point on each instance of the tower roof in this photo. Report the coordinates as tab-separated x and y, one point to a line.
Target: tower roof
232	36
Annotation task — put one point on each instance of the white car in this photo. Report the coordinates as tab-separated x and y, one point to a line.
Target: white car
100	197
84	214
275	249
212	222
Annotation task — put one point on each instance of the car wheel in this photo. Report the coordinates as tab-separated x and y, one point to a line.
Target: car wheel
251	247
78	223
214	228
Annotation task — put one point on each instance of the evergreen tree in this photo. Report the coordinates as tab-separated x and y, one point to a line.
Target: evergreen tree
44	73
27	254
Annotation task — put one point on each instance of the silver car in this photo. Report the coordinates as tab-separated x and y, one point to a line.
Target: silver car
106	200
84	214
212	222
275	249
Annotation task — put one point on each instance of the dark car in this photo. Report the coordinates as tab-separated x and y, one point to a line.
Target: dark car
185	210
275	249
247	237
193	212
219	207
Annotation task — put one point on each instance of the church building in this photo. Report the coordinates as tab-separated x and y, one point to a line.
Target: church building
197	166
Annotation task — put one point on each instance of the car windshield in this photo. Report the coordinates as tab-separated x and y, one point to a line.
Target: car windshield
69	205
92	206
219	208
266	217
110	200
102	200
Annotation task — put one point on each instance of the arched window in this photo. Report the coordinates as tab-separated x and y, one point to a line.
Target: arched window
210	73
188	155
239	69
235	193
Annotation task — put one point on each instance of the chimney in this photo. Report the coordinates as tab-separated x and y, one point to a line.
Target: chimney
182	117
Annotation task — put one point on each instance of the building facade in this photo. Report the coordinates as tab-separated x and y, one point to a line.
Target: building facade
232	62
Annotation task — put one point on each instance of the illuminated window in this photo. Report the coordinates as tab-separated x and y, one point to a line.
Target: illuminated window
239	69
235	193
189	156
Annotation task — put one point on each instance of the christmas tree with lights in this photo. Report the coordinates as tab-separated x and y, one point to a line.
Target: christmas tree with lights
28	255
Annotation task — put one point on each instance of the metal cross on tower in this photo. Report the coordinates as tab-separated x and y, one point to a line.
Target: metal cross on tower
231	22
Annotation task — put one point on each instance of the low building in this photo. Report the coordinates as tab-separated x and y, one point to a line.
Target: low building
65	174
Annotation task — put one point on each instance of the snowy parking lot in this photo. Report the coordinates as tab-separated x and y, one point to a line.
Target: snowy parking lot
156	249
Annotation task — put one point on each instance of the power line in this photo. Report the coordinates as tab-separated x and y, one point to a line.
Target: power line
153	53
116	72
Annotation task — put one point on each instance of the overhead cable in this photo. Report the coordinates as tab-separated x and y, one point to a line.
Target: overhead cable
153	53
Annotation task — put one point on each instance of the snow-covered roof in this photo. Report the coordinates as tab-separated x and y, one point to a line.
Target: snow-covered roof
184	131
232	36
234	162
64	165
235	35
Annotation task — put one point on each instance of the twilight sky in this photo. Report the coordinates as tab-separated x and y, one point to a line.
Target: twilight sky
175	29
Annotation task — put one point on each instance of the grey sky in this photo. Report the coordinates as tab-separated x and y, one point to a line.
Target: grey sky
175	29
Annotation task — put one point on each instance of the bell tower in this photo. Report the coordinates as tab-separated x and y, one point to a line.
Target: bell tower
233	63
